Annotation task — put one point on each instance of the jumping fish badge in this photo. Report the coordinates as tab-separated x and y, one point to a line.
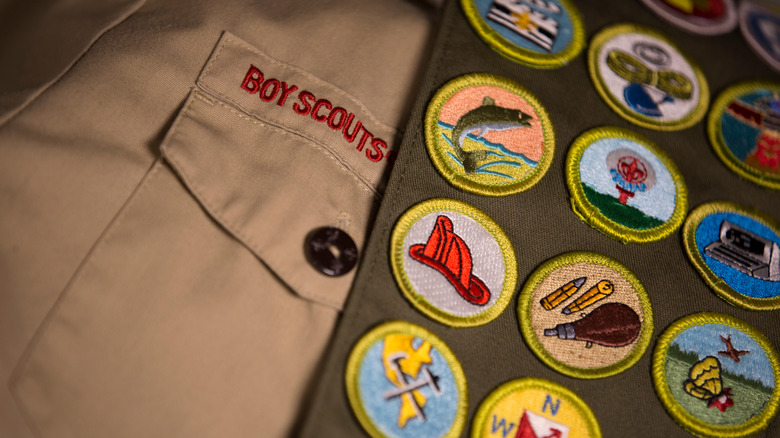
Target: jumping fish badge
485	118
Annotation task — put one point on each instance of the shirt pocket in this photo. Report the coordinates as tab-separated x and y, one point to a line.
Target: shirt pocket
197	313
269	188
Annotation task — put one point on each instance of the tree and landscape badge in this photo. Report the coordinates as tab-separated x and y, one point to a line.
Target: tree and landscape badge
585	315
538	33
453	262
744	130
534	408
625	186
488	135
645	78
403	381
737	252
717	375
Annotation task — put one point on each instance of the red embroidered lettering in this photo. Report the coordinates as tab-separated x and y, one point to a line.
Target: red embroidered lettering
321	110
285	92
304	109
332	118
351	137
320	103
377	153
253	77
363	139
264	94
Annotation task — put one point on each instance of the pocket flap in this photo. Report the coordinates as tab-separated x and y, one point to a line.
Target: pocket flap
269	188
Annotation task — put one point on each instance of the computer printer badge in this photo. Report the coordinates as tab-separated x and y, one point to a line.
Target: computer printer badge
747	252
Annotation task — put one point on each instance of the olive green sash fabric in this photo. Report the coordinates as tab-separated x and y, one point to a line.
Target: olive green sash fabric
541	225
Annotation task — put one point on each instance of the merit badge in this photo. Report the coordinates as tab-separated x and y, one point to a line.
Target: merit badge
705	17
760	24
402	381
643	77
737	252
625	186
585	315
538	33
744	129
716	375
534	408
453	262
488	135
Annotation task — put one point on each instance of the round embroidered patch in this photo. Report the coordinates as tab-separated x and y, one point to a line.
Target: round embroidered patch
539	33
488	135
716	375
737	252
625	186
533	407
760	25
404	382
644	78
585	315
744	129
705	17
453	262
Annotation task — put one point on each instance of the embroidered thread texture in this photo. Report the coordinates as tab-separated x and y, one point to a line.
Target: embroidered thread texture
737	253
644	78
585	315
453	262
487	135
709	17
538	33
625	186
744	130
717	375
402	381
534	408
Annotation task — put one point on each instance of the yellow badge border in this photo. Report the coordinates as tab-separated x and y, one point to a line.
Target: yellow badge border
378	333
527	383
716	134
398	236
678	413
458	179
713	281
595	218
525	303
511	51
617	106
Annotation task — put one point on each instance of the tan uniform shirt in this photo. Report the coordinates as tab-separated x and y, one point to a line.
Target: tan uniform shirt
161	165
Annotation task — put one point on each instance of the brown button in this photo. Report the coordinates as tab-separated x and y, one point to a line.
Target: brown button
331	251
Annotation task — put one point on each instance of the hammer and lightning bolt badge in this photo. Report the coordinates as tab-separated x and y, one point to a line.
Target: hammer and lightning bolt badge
538	33
488	135
534	408
625	186
453	262
717	375
404	382
644	78
585	315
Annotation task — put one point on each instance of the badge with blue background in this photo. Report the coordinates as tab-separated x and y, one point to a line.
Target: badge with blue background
538	33
404	382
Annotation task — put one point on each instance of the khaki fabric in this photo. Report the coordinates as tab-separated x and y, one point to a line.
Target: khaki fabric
155	209
541	225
